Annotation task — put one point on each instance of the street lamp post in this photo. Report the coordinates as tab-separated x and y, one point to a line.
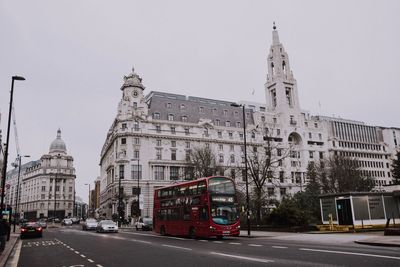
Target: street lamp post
16	199
3	178
245	167
88	202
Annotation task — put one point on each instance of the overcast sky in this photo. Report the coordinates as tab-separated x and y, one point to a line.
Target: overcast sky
345	56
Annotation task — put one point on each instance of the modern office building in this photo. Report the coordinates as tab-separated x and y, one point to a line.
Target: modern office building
150	140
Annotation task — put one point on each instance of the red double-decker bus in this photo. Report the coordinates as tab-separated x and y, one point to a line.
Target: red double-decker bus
206	207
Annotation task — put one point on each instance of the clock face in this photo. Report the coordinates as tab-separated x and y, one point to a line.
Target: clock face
135	93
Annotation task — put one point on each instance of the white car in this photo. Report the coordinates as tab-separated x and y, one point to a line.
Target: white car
89	224
66	222
106	226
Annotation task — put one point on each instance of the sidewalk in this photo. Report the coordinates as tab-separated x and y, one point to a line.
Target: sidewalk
8	249
372	238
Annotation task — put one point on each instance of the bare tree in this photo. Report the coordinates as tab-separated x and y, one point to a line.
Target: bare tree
263	167
203	163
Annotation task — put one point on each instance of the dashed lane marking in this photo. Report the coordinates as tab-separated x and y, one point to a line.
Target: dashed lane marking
170	246
98	265
83	256
202	240
279	247
89	260
235	243
218	242
350	253
242	257
255	245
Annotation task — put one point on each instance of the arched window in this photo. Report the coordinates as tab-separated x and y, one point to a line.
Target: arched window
284	67
272	68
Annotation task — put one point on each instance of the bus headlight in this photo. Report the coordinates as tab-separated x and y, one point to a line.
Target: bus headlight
212	229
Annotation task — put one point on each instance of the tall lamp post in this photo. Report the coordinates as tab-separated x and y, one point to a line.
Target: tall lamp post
88	202
245	167
16	199
3	178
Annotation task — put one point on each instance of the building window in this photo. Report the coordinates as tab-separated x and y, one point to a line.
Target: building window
236	113
238	124
278	132
306	124
263	118
241	136
206	132
282	191
214	111
123	126
225	112
232	158
230	134
217	122
219	134
221	147
121	171
156	115
169	105
158	141
187	144
221	158
207	145
159	153
43	187
173	154
187	155
271	191
135	105
321	155
289	96
70	189
158	128
136	126
320	136
136	141
173	173
310	135
159	172
262	109
136	172
187	131
170	117
228	124
173	131
201	109
184	118
136	154
275	121
173	143
182	106
316	125
232	147
273	97
311	154
123	141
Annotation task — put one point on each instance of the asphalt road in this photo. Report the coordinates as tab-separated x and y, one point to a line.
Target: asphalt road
70	246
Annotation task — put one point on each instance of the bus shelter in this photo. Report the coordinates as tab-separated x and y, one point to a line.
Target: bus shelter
360	208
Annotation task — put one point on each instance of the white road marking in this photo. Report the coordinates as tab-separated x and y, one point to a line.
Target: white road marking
235	243
218	242
77	252
83	256
170	246
242	258
89	260
202	240
278	247
255	245
350	253
71	249
98	265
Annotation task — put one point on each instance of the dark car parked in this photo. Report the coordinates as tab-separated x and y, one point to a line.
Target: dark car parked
31	229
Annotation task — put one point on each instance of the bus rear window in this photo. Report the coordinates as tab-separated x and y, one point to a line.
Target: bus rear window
221	185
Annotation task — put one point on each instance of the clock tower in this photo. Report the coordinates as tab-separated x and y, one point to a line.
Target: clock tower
132	104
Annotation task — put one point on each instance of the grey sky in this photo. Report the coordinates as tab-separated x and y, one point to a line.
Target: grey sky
344	54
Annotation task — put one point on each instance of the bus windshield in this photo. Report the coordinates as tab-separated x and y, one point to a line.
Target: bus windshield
221	185
223	213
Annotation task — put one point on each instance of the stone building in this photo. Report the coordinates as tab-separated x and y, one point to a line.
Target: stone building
47	185
149	141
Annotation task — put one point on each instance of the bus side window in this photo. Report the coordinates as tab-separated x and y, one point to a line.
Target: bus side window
204	213
186	213
202	187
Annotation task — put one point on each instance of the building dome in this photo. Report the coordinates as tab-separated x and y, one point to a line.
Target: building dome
132	80
58	145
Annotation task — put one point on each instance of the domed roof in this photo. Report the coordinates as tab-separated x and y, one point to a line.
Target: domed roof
132	80
58	145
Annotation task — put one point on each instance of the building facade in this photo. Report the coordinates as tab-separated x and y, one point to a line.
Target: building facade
150	140
46	186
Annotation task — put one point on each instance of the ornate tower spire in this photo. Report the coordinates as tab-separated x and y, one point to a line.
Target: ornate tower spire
281	88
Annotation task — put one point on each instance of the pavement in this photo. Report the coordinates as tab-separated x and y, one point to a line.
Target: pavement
14	237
